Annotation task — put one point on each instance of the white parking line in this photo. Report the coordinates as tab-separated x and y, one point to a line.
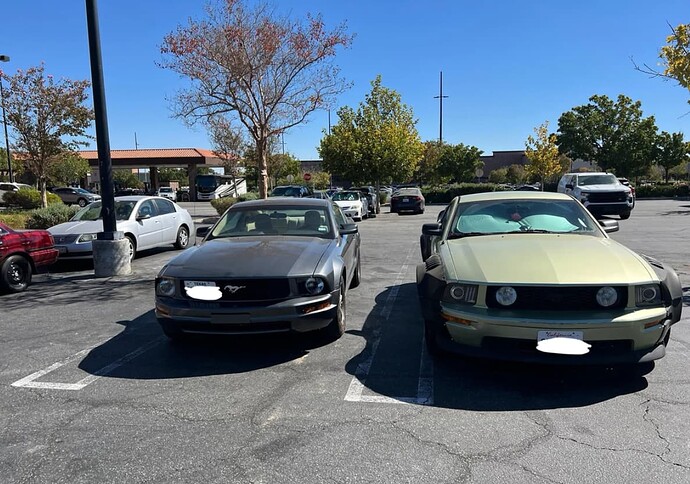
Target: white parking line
425	385
30	381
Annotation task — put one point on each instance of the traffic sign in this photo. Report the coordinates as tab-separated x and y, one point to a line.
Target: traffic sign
307	176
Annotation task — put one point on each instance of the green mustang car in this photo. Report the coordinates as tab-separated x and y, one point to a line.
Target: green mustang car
532	276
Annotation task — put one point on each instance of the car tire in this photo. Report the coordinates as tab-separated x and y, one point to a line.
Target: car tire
336	328
82	202
625	215
15	274
357	277
132	247
365	214
182	240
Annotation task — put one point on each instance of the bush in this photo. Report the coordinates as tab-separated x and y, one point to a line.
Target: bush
54	214
222	204
29	198
446	194
665	191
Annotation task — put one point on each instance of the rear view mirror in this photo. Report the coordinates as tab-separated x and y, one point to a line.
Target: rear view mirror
609	225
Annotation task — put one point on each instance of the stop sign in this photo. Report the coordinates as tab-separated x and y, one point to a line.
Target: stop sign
307	176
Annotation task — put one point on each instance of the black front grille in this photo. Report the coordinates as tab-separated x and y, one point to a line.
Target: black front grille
240	328
547	298
599	348
607	197
253	289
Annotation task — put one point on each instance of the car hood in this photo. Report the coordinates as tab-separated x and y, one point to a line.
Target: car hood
604	188
78	227
347	203
544	259
259	256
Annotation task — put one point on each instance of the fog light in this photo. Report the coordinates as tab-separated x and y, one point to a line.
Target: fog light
506	295
607	296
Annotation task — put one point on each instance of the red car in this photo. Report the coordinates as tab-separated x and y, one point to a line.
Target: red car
21	252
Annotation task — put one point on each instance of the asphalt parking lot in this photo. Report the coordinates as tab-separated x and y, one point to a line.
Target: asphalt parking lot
91	390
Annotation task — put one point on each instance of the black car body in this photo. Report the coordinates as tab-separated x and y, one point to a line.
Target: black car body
408	200
266	266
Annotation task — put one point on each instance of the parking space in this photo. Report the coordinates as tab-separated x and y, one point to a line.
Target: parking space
92	391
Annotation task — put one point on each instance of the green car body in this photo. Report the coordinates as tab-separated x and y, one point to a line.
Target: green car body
507	270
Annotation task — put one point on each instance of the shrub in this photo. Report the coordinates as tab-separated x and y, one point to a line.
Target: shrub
14	220
29	198
666	191
222	204
54	214
248	196
446	194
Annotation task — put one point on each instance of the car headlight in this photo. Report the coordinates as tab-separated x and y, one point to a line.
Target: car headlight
86	238
648	295
506	295
165	286
607	296
463	293
584	196
314	285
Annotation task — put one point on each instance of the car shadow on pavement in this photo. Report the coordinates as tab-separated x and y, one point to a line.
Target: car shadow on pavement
393	364
155	357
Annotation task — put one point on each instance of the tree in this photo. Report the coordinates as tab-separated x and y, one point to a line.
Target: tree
670	151
460	162
614	135
47	118
499	175
267	72
378	142
69	169
126	179
517	175
543	159
227	141
428	171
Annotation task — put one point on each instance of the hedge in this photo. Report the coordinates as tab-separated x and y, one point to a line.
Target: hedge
665	191
222	204
29	198
54	214
446	194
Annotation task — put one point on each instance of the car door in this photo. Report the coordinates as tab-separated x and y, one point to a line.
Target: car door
149	225
170	220
349	249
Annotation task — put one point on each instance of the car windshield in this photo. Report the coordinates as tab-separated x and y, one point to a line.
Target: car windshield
286	192
345	196
522	216
584	180
81	190
277	220
123	209
165	190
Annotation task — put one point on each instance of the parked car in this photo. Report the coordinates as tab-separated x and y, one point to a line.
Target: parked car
408	200
627	183
533	276
601	193
124	192
372	198
266	266
146	221
72	195
6	187
321	194
167	192
299	191
353	203
22	252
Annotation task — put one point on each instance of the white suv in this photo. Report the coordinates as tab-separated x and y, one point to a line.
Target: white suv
168	193
601	193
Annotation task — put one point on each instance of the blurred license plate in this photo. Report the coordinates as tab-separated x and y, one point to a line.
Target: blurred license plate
542	335
62	250
406	200
230	319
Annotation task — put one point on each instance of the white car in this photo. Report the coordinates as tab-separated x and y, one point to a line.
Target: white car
168	193
601	193
6	187
353	203
147	222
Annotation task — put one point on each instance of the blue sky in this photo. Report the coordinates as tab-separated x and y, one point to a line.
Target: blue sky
508	66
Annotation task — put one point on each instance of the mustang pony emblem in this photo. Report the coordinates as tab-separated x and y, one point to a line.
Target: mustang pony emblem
233	289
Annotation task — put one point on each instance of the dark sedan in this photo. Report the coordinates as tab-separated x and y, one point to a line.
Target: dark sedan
21	253
408	200
266	266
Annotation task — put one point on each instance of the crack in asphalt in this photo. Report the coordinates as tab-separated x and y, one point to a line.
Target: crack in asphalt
648	418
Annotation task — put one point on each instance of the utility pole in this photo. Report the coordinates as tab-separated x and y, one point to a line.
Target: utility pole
440	110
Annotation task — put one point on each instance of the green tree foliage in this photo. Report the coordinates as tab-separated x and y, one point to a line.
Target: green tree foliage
17	166
671	151
428	171
516	174
320	180
543	159
174	174
268	72
378	142
460	162
614	135
499	175
69	169
675	57
126	179
48	119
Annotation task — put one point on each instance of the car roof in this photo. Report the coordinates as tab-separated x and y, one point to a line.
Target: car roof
283	201
136	198
513	195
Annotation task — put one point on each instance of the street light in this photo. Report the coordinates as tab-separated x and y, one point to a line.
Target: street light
6	58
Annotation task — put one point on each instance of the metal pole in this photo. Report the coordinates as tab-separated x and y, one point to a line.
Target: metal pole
440	111
102	139
7	139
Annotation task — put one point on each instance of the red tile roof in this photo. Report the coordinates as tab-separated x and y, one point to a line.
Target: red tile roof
152	153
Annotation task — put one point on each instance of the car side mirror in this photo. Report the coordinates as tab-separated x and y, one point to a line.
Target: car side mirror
347	229
143	216
203	231
609	225
432	229
569	186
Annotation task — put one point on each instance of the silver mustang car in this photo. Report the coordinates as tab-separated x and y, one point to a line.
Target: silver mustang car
147	222
267	266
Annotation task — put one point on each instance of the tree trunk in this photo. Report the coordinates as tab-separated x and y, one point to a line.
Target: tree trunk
262	155
42	188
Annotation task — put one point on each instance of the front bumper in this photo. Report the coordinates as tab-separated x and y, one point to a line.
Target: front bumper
75	251
617	340
300	315
609	208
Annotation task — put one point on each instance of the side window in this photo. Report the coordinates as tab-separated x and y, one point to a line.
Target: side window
4	186
165	206
147	208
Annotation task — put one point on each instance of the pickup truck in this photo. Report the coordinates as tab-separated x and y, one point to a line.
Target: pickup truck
372	198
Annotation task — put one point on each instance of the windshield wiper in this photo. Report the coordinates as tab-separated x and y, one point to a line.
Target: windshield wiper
530	231
459	235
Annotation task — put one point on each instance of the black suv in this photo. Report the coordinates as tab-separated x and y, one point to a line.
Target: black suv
372	198
299	191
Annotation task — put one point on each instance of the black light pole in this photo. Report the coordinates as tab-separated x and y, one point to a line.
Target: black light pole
6	58
102	139
440	111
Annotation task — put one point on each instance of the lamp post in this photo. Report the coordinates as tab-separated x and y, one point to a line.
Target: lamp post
6	58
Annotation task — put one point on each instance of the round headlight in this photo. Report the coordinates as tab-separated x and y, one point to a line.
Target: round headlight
506	295
649	294
314	286
166	287
457	292
607	296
